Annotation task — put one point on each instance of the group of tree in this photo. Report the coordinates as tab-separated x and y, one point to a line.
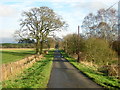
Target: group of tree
73	44
26	41
37	24
94	50
99	40
100	33
104	24
17	45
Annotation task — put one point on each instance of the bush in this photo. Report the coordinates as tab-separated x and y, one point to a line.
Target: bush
98	51
116	46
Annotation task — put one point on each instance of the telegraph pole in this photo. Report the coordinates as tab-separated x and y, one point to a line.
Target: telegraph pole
118	31
78	52
78	30
119	21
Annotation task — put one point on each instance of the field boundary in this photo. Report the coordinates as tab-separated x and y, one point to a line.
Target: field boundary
16	48
12	69
36	76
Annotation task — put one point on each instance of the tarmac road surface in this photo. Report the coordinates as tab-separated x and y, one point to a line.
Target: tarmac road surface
65	75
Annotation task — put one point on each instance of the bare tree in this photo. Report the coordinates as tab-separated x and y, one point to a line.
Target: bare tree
37	23
103	25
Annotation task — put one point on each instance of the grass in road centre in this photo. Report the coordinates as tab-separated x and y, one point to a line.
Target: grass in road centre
35	77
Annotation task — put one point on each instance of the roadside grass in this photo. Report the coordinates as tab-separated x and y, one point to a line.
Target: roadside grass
36	76
99	78
14	55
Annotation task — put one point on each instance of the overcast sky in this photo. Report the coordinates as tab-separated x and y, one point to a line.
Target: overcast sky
72	11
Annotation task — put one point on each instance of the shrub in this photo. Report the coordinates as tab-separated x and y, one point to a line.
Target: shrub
98	51
116	46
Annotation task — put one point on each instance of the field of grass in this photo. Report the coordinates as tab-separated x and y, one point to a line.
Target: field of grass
36	76
11	55
100	78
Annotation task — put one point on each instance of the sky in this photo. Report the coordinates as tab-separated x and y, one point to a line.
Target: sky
72	11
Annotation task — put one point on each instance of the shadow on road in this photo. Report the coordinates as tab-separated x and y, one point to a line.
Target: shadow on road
60	60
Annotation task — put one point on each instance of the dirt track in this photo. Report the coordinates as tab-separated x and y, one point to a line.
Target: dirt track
64	75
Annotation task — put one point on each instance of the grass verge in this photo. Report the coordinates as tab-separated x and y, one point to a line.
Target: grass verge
36	76
100	78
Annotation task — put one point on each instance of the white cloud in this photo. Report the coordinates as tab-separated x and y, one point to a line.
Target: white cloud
6	33
73	15
93	5
6	36
6	10
89	6
106	1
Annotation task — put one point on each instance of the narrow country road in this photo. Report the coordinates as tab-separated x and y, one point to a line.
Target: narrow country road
64	75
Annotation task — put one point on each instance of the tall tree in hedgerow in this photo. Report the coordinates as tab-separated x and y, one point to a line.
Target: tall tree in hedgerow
37	23
73	44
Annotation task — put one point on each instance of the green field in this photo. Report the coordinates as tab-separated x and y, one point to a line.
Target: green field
36	76
100	78
11	55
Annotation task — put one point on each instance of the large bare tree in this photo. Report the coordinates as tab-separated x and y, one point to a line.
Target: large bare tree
37	23
103	24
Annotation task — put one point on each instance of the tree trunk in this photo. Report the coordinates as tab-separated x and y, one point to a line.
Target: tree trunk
41	47
78	59
37	47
